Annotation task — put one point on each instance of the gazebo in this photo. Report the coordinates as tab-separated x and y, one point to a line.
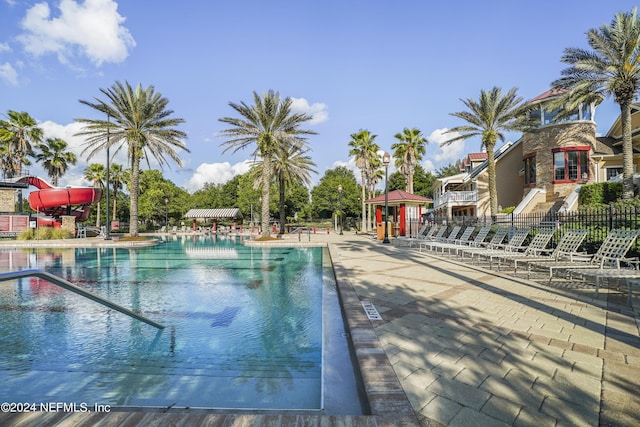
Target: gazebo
215	214
406	211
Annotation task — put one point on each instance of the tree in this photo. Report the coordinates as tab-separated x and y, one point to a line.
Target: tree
448	170
611	68
270	125
20	132
365	150
55	158
408	152
139	122
291	166
95	173
118	177
489	117
325	196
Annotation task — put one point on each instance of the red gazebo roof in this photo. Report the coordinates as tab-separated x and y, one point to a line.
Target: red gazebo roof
400	196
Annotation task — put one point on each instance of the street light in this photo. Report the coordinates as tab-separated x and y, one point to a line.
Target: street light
166	213
386	159
340	198
107	233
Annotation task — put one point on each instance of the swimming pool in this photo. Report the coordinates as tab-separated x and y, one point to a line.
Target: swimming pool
247	328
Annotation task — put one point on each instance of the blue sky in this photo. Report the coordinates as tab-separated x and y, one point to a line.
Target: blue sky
375	64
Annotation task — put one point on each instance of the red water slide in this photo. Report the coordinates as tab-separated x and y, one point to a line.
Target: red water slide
58	201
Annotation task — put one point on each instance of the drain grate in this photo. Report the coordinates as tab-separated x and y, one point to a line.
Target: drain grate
371	311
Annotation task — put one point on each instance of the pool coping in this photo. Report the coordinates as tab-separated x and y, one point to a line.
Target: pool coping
387	401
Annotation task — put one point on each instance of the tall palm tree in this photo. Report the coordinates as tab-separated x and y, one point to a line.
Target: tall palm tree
364	149
374	174
138	121
118	177
20	131
408	151
611	68
55	158
270	125
290	165
95	173
488	118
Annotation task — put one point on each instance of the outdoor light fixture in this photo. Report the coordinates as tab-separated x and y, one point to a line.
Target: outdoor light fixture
107	233
340	198
386	159
166	212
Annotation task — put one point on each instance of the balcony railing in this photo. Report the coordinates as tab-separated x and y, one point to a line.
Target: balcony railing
456	198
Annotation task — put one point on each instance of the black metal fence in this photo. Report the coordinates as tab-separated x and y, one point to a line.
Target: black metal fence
598	221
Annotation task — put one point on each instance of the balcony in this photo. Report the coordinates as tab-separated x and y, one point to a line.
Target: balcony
455	198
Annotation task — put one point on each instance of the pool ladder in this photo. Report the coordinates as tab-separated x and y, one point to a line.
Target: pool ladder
73	288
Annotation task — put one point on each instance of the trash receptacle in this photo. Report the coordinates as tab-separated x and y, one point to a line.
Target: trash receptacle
380	230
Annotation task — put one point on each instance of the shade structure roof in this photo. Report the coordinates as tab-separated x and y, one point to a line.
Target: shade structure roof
214	213
400	196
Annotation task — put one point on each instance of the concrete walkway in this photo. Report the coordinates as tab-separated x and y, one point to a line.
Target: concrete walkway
475	347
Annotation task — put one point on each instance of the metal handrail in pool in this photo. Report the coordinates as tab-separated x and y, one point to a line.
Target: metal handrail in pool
73	288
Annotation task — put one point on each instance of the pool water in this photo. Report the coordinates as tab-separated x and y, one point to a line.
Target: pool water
244	328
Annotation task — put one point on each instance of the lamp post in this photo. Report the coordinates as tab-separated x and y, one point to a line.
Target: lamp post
166	213
340	198
107	233
386	159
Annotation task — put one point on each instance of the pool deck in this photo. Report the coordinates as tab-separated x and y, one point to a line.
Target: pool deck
456	345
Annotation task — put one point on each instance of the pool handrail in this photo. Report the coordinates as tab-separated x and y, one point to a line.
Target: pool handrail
73	288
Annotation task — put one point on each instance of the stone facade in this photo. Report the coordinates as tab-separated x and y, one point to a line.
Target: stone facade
7	200
542	141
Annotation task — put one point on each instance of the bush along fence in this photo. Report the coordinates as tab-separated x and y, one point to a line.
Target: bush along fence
599	221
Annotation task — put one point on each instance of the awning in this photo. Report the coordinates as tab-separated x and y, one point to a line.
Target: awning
214	213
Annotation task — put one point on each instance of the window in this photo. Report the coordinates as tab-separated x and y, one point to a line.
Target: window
530	170
611	172
571	164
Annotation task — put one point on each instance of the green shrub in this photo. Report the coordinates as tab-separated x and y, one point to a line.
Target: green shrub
45	233
601	193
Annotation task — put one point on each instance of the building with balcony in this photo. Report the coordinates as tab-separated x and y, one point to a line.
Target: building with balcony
544	169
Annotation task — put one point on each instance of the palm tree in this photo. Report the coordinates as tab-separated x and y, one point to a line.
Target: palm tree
55	159
611	68
407	152
291	165
118	178
489	117
270	125
364	149
20	132
95	173
138	121
374	174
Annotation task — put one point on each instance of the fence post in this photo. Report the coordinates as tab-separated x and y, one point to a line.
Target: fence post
611	213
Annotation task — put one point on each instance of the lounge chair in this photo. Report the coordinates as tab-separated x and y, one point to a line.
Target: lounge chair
610	254
449	239
514	245
565	250
456	243
494	243
424	233
535	247
628	276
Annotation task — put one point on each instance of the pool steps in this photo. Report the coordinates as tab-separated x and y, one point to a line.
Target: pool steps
73	288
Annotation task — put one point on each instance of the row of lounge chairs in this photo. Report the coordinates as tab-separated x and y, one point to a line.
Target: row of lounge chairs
608	264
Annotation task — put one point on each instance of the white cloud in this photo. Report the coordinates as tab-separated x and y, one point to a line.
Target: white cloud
4	47
317	110
446	153
8	74
216	173
428	166
92	28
